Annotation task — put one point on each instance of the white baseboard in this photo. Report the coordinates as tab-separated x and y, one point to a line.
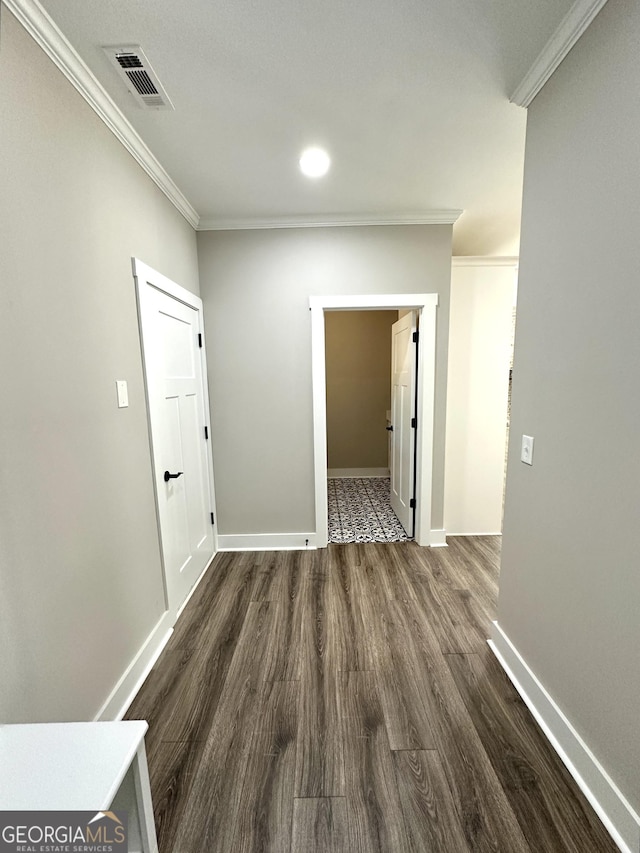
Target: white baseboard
133	677
266	541
476	533
338	473
618	817
194	587
438	539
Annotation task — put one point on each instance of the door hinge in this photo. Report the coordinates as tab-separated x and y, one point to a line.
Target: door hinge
415	337
412	503
212	519
414	423
200	340
206	433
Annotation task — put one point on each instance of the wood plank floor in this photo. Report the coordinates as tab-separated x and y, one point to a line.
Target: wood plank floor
345	701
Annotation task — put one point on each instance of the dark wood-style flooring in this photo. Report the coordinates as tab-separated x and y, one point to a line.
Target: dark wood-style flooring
346	700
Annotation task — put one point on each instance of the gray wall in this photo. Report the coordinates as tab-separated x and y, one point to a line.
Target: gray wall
256	286
80	577
570	583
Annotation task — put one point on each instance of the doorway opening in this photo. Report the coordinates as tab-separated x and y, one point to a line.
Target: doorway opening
370	381
482	312
425	307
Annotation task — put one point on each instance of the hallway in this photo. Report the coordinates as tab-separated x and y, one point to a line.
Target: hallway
345	700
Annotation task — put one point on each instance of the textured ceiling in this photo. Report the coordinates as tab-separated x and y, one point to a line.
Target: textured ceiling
410	97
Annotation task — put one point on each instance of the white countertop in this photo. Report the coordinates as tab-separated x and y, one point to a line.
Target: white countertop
65	766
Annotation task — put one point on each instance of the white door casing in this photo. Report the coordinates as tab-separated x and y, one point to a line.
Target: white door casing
403	410
177	403
426	304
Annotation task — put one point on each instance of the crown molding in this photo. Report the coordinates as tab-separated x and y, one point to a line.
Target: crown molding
572	26
427	217
50	38
484	261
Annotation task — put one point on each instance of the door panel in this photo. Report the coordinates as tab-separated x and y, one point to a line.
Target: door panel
198	518
178	414
177	350
403	396
177	553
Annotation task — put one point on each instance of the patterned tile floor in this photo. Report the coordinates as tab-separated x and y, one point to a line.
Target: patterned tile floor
360	511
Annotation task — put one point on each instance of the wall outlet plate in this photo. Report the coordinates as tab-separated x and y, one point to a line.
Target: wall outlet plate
526	452
123	393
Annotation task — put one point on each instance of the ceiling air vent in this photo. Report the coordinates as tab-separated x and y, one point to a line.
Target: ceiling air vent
140	78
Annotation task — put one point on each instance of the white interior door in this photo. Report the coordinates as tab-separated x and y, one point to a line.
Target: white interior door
403	413
172	339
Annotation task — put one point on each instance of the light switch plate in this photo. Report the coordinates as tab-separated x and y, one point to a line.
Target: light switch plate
123	393
526	453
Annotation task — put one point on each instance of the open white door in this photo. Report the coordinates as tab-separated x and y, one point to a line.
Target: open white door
172	342
403	413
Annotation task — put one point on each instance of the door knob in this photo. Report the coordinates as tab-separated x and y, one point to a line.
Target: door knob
390	428
168	476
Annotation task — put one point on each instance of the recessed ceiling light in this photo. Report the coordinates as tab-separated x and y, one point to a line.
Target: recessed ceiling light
315	162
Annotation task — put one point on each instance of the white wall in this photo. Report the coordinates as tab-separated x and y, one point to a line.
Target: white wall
80	578
480	341
570	582
256	286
